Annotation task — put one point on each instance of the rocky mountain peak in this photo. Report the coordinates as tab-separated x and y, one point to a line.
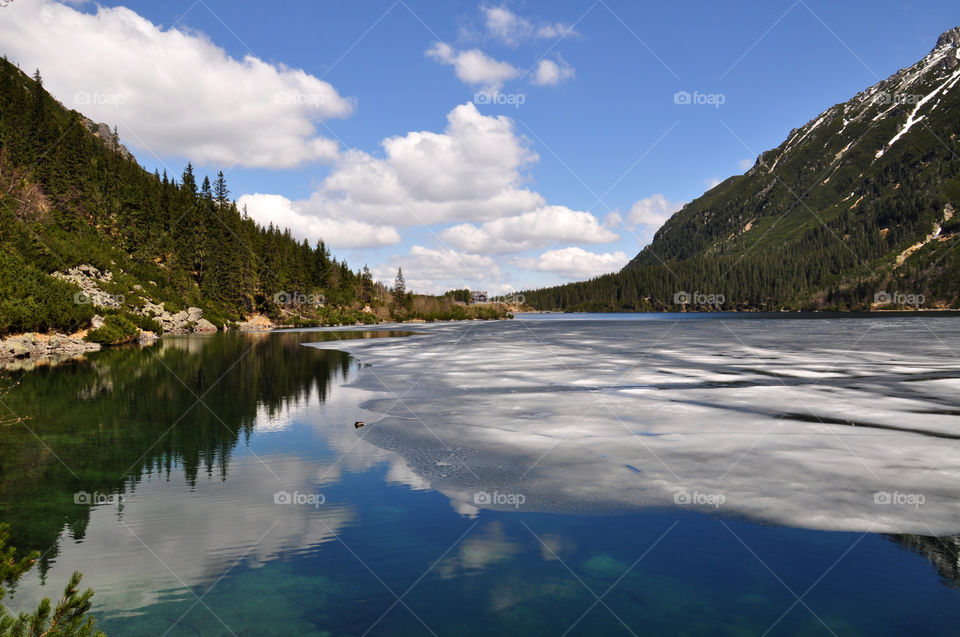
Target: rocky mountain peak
949	39
105	134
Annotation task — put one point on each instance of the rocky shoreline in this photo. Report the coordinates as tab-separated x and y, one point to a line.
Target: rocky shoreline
53	347
21	349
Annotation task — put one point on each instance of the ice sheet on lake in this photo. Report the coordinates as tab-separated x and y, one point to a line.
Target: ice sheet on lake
842	424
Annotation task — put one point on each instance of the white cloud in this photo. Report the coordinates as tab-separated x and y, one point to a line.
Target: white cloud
554	30
613	220
341	233
435	271
474	67
173	92
543	227
651	212
746	164
712	183
550	73
470	172
503	24
577	263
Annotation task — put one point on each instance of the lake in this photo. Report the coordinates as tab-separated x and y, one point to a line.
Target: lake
581	475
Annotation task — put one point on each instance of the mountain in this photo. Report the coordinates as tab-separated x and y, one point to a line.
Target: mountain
855	210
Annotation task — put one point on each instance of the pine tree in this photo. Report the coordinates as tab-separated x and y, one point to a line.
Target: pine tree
220	191
366	285
399	291
68	619
399	285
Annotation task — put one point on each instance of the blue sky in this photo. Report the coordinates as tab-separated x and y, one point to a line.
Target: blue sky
566	178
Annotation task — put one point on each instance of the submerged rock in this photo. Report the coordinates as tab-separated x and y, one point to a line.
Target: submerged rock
604	567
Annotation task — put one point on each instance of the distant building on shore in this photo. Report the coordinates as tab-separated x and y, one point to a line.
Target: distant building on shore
478	297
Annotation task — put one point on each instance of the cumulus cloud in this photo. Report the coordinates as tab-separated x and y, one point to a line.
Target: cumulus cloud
503	24
550	73
542	227
429	270
746	164
651	212
173	92
470	172
344	233
613	220
577	263
474	67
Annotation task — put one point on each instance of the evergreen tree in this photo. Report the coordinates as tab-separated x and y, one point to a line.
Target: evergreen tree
366	285
399	285
220	191
68	618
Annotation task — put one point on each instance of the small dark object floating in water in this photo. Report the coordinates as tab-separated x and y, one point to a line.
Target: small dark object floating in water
359	424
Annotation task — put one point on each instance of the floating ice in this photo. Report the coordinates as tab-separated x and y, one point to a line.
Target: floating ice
839	424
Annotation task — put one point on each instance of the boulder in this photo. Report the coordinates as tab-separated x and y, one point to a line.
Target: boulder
96	322
29	346
203	325
16	348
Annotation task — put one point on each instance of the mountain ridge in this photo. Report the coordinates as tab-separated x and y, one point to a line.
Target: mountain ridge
819	221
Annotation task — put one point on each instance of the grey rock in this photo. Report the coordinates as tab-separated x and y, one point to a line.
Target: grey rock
203	325
87	277
96	322
16	348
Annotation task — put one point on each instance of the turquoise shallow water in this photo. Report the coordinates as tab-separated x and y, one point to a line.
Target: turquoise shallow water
230	494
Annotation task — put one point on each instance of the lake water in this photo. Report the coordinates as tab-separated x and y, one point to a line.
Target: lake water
654	474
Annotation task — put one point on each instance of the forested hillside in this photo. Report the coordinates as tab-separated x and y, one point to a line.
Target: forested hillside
71	194
855	210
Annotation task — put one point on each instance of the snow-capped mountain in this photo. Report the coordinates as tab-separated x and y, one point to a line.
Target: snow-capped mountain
853	207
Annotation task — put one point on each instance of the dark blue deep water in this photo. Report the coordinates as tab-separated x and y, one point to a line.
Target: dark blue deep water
216	485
